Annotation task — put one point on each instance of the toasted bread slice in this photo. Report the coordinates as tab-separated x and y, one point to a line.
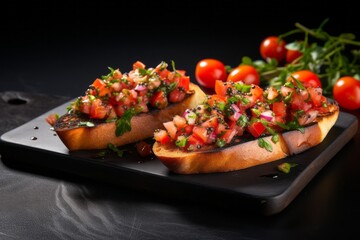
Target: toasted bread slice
77	137
245	154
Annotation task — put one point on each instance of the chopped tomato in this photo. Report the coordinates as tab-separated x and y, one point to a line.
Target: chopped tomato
194	142
221	88
316	96
117	74
177	95
256	128
201	133
138	64
214	100
229	135
256	91
101	88
98	109
184	82
159	100
279	109
211	123
161	136
171	129
179	122
51	118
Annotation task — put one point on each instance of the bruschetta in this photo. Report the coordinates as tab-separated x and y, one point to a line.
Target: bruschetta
123	108
242	126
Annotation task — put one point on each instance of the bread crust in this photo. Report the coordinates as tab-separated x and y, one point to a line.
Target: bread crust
142	126
247	154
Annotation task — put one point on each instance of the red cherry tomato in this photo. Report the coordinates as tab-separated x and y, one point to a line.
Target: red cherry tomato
307	78
346	92
292	55
246	73
209	70
272	47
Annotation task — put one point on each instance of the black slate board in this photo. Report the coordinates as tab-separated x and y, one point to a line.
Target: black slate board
261	189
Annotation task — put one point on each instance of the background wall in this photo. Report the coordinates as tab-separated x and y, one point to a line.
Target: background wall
67	44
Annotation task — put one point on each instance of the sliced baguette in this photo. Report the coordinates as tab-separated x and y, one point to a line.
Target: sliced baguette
77	137
245	154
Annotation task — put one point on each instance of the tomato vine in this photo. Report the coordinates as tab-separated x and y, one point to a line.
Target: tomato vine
329	56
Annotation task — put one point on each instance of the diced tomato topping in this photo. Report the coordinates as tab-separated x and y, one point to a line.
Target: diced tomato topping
194	142
179	122
177	95
201	133
213	100
256	92
161	136
51	118
98	109
229	135
279	109
256	128
296	101
138	64
211	123
101	88
316	96
171	129
117	74
184	82
221	87
159	100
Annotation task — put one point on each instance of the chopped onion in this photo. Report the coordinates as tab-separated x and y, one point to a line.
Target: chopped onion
190	116
235	107
235	116
312	114
140	87
267	115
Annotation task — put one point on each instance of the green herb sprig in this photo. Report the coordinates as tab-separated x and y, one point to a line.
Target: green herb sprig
329	56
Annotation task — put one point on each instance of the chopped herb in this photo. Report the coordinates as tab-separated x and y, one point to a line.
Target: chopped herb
242	121
173	66
245	101
275	138
181	141
144	72
163	66
123	124
220	142
256	111
101	154
292	125
242	87
285	167
116	150
263	143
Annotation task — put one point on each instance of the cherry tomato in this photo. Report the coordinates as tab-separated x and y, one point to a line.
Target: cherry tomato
246	73
143	148
307	78
273	47
209	70
292	55
346	92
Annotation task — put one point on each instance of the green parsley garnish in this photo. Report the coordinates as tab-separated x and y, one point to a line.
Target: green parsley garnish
263	143
285	167
123	124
